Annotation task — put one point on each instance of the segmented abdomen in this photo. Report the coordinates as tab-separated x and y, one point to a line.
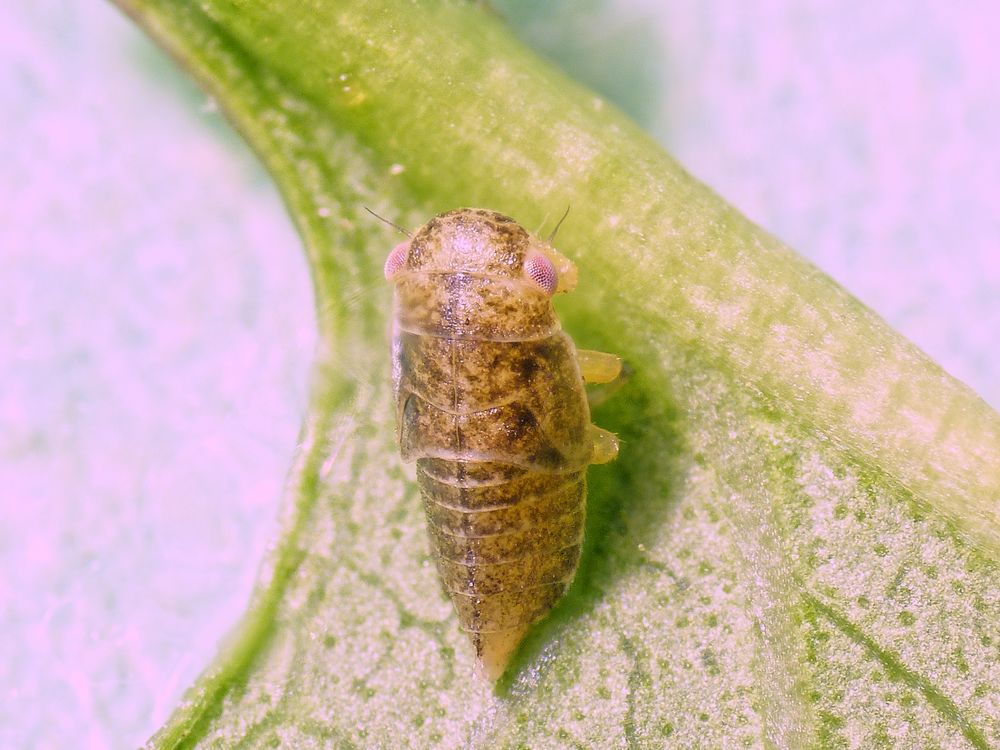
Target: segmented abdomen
505	552
500	433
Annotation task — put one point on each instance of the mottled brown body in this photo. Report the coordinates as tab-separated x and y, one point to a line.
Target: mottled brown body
491	404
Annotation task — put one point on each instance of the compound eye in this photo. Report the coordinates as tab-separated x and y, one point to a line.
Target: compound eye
396	259
541	271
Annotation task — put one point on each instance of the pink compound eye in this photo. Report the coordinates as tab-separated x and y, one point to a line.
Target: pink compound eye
540	270
396	259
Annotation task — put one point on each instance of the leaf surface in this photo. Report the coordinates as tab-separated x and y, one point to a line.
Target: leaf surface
798	545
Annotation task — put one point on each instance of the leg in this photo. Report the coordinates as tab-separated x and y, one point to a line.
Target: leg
606	371
605	445
598	367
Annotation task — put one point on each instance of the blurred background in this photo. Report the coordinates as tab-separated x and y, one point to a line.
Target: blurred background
156	321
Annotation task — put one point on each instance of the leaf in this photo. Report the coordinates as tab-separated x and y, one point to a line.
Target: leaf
798	545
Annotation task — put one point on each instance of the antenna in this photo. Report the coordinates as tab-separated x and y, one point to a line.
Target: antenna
396	226
558	224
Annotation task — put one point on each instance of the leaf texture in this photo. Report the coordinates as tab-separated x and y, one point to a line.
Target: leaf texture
798	545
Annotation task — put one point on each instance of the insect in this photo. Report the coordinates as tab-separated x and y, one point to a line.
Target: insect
490	402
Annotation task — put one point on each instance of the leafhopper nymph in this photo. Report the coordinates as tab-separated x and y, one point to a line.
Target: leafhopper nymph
490	402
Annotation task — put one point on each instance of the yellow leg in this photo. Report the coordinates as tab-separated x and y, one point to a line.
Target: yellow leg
605	445
598	367
606	372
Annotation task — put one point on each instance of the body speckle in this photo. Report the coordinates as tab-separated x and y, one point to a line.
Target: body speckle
491	405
